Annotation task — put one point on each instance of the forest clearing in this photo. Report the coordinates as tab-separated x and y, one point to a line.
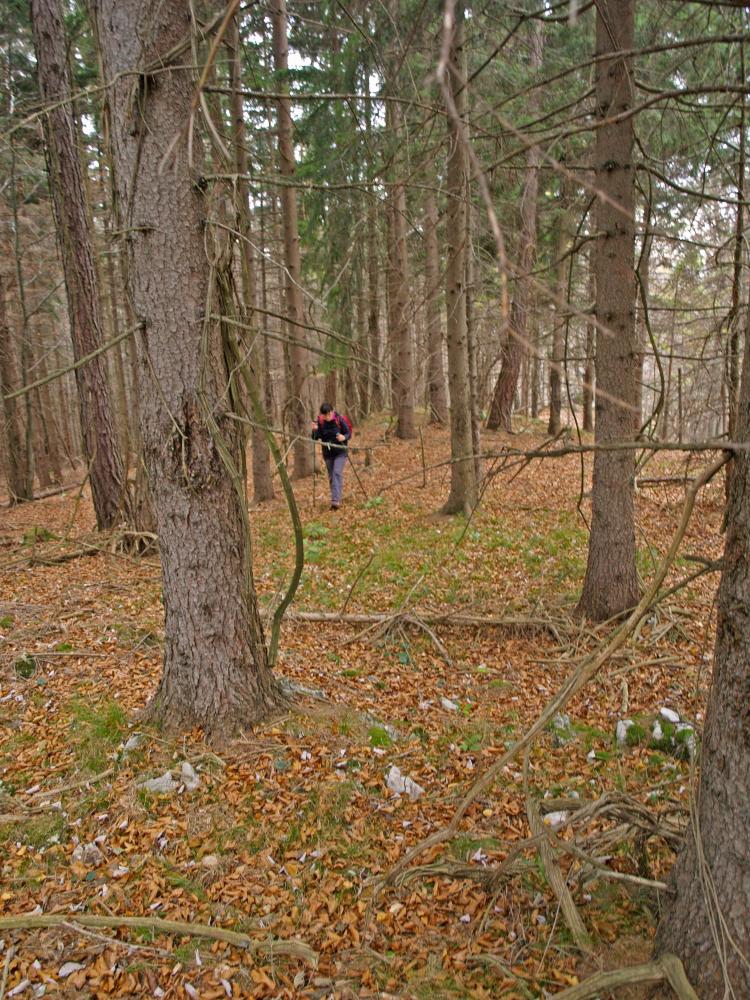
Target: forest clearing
375	485
289	828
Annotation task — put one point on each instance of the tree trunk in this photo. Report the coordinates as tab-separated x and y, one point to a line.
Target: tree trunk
557	357
261	455
611	583
13	431
72	215
707	921
515	344
588	371
400	334
216	672
298	354
462	497
436	396
472	339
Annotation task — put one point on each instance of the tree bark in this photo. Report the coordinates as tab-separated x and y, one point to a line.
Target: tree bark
515	345
12	428
611	584
108	487
437	401
462	497
261	455
298	354
707	920
588	371
216	673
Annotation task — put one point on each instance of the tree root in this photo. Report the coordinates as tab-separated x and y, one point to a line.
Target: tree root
291	948
668	968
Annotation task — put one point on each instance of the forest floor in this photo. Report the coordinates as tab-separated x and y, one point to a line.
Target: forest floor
289	828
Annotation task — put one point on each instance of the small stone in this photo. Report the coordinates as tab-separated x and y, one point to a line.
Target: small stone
554	819
401	783
189	777
69	968
656	731
448	705
160	786
621	731
88	855
210	861
135	741
669	715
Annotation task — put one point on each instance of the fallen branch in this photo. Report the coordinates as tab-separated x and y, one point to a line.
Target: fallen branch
42	793
294	949
668	968
586	671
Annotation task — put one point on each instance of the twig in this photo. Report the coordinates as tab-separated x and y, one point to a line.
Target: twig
6	969
292	948
75	784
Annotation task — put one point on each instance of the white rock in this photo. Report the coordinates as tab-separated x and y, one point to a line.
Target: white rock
227	986
556	818
191	991
669	715
448	705
210	861
621	731
89	855
24	984
189	777
136	740
160	786
69	968
591	755
465	918
402	783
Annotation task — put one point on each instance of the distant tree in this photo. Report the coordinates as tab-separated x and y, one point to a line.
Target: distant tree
216	672
611	583
72	213
462	497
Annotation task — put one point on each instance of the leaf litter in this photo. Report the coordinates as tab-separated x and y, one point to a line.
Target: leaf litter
284	833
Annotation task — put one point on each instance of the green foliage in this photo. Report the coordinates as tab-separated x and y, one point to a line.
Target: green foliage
379	737
25	666
38	534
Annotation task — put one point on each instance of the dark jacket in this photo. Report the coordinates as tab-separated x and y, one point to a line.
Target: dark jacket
326	432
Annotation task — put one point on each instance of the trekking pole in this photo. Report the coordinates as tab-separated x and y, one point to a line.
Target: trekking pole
356	474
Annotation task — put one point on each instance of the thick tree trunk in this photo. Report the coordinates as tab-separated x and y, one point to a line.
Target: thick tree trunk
437	401
515	345
588	371
462	497
611	583
216	672
108	487
400	334
707	921
261	455
298	353
12	428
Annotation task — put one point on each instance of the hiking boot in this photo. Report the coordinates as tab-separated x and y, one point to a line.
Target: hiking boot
335	506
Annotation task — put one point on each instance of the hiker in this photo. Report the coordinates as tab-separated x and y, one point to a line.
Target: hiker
333	431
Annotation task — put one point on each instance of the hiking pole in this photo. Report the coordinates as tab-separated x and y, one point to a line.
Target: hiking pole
356	474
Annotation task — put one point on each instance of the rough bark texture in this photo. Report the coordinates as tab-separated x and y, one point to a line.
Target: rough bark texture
216	672
462	497
400	335
298	354
12	429
437	400
72	216
261	455
515	345
707	921
611	583
589	389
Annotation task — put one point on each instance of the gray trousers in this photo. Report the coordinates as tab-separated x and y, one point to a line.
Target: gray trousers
335	465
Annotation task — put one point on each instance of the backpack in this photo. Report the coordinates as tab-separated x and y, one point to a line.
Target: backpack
341	418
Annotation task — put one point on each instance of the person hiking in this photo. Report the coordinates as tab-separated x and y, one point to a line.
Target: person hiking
333	431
